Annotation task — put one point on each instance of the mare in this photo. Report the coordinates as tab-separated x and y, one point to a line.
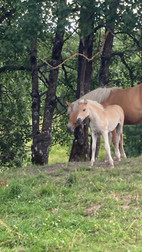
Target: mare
130	99
103	121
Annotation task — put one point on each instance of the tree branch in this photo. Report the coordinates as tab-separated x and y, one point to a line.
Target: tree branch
14	68
121	55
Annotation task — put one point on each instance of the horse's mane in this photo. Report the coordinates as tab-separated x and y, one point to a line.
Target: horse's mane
99	95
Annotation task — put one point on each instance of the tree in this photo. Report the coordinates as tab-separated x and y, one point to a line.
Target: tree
42	140
80	148
15	128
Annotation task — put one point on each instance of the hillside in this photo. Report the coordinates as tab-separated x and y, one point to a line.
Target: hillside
72	207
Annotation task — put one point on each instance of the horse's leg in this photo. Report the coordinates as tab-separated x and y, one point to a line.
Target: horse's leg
107	147
94	140
122	152
117	141
110	139
114	140
98	143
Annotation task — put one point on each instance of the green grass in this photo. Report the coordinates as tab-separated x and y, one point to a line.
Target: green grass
58	154
73	208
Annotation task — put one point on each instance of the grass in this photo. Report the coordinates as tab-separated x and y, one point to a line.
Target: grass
72	208
58	154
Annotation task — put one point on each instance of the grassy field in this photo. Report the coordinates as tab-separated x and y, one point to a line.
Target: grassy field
71	207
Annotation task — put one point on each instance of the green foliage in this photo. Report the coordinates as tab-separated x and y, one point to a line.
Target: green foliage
133	140
15	129
78	210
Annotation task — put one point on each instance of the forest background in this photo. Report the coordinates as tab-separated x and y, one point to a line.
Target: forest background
36	38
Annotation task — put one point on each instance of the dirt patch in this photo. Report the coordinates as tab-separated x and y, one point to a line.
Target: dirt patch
128	201
72	166
90	211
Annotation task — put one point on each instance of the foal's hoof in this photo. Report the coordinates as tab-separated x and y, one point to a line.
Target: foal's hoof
117	158
91	164
112	165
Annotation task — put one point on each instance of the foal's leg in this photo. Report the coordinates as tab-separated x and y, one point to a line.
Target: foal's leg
117	141
122	152
107	147
110	139
94	140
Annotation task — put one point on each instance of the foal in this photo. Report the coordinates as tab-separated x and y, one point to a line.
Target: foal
103	121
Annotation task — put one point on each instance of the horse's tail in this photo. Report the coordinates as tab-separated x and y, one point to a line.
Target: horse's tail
99	94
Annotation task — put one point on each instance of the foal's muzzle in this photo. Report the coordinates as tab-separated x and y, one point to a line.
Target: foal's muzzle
79	121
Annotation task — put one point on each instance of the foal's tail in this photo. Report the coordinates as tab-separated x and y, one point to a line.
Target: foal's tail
119	128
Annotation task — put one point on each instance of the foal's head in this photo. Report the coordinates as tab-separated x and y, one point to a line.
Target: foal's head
77	113
73	113
83	111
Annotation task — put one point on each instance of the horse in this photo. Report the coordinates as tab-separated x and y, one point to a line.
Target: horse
103	121
130	99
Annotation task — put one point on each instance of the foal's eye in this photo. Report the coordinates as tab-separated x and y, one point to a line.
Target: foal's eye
84	109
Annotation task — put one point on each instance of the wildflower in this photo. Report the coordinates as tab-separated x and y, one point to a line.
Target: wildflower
15	226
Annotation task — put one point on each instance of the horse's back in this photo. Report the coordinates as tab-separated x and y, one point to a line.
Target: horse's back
130	99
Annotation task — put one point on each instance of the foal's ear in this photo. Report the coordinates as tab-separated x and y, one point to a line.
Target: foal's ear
83	101
69	104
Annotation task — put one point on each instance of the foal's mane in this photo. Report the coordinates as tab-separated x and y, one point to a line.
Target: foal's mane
93	102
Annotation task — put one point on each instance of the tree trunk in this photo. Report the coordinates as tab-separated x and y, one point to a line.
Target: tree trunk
107	49
50	101
42	140
106	56
35	104
105	60
80	148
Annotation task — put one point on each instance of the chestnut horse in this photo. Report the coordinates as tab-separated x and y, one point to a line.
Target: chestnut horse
103	121
130	99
